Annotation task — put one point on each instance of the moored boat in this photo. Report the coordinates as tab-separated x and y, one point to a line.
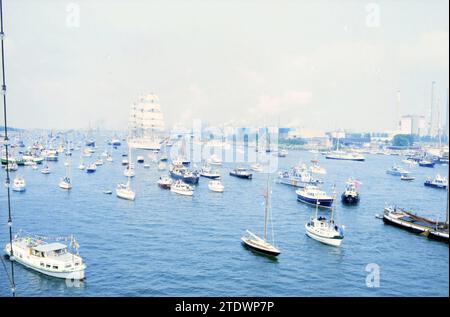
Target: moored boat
312	195
241	172
438	182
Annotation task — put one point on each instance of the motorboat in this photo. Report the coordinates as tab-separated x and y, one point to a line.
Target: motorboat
317	169
81	166
181	188
129	171
65	183
53	259
241	172
438	182
350	196
256	167
140	159
312	195
161	166
216	186
124	191
99	162
397	171
345	156
214	160
208	172
91	168
165	182
297	177
45	170
181	172
19	184
426	163
407	177
282	153
323	230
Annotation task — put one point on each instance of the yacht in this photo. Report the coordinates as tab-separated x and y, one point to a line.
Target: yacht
180	172
397	171
53	259
437	182
241	172
165	182
181	188
323	230
345	156
216	186
129	171
262	245
312	195
208	172
297	177
350	196
19	184
426	163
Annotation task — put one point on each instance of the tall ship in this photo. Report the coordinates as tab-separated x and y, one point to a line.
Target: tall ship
146	123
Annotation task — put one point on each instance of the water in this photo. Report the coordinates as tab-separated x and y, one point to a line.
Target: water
163	244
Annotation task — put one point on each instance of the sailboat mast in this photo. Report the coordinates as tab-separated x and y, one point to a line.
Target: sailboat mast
267	208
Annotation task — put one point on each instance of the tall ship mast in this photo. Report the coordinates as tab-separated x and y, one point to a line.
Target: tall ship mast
146	123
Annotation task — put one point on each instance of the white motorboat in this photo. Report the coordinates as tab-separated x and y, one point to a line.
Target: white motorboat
45	170
165	182
124	191
19	184
146	165
208	172
181	188
256	243
438	182
282	153
109	158
256	167
91	168
215	160
81	166
323	230
65	183
216	186
129	171
53	259
312	195
161	166
99	162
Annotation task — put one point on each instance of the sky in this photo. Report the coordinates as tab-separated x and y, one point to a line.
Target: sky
310	64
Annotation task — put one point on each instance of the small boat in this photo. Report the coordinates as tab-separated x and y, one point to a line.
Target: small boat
146	165
241	172
91	168
109	158
208	172
215	160
45	170
181	188
180	172
323	230
140	159
312	195
81	166
125	162
115	142
124	191
256	167
345	156
161	166
350	196
437	182
426	163
19	184
107	192
282	153
216	186
165	182
129	171
261	245
407	177
98	162
297	177
65	183
316	169
396	171
53	259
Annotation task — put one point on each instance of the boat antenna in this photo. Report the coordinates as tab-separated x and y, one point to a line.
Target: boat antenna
6	143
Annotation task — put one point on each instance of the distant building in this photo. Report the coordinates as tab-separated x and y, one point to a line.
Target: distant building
306	134
413	124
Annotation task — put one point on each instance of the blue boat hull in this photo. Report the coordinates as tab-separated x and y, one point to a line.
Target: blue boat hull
429	184
322	202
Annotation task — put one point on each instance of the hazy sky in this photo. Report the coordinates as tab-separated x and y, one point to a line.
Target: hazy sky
314	64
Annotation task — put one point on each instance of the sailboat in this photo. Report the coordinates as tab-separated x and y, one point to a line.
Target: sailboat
146	124
256	243
124	191
66	182
323	230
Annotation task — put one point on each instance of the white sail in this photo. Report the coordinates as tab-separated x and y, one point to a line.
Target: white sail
146	123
